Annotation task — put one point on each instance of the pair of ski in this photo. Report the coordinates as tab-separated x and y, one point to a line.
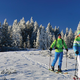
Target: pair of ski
57	72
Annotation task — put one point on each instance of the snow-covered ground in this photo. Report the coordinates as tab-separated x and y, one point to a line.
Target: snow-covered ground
33	65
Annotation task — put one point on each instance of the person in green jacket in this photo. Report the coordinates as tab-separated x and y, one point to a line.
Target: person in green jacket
58	44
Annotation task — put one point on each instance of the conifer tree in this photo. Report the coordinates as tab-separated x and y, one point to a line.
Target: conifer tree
28	42
22	24
38	39
54	37
24	44
56	31
62	34
70	38
34	33
67	31
34	44
6	39
16	36
78	28
49	35
66	40
42	38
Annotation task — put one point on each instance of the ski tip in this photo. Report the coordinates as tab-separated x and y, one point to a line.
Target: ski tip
57	72
50	70
66	73
66	69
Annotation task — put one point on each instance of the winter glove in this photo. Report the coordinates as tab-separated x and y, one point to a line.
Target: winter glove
50	49
77	52
67	50
56	48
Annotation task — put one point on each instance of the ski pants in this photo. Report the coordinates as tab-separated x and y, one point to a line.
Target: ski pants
78	59
60	55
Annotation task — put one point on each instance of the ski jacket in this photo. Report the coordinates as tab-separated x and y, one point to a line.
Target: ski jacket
76	45
59	44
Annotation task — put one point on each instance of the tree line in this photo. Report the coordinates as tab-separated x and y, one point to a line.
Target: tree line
30	35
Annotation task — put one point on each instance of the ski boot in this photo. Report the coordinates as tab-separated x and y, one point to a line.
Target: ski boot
52	68
59	69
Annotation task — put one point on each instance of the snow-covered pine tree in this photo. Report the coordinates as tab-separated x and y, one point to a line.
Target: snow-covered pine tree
6	39
22	23
28	42
34	44
27	24
70	38
24	45
56	30
22	26
53	37
49	28
42	38
48	35
67	32
78	28
75	34
29	29
49	40
66	40
38	39
62	34
10	36
34	33
36	26
16	36
32	22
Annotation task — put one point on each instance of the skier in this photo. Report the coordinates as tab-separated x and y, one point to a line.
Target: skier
58	44
76	48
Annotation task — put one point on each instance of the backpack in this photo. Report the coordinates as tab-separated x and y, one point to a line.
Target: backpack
56	43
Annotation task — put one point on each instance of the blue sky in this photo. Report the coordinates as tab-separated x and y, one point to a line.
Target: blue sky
62	13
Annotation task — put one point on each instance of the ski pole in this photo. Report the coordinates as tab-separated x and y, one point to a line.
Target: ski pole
75	66
66	61
50	61
75	70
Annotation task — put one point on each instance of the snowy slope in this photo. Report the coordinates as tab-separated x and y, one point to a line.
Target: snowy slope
33	65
